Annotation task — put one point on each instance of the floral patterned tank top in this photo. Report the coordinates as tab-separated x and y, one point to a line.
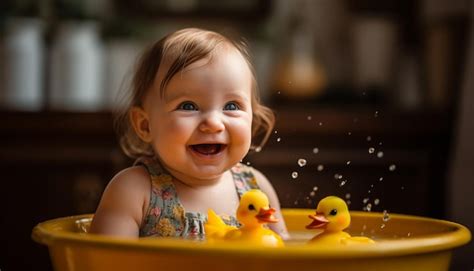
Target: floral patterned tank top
165	215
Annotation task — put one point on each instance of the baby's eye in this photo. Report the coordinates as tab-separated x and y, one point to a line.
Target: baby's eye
188	106
231	106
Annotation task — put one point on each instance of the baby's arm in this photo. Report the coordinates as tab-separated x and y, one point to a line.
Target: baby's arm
121	208
267	188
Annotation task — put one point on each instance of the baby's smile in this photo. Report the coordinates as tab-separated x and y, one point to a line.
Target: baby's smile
208	149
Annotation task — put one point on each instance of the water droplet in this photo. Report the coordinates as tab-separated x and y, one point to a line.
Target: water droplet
386	216
348	202
402	188
369	138
363	93
348	162
380	154
320	124
376	201
276	132
315	150
315	188
320	167
301	162
279	139
371	150
380	143
409	234
364	227
376	114
309	117
365	200
380	179
294	175
369	191
382	226
248	163
312	194
349	133
258	149
296	202
348	195
392	167
337	176
279	92
342	183
368	207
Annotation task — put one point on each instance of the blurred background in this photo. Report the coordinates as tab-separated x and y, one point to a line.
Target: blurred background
373	102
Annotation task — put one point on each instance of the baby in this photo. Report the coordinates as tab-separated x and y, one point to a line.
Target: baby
193	113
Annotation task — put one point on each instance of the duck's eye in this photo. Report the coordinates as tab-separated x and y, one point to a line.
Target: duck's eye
251	207
333	212
231	106
187	106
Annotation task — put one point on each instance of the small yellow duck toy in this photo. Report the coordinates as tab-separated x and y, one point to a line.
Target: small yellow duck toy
332	215
253	213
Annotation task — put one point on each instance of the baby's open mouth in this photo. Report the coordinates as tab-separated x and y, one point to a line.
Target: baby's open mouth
208	149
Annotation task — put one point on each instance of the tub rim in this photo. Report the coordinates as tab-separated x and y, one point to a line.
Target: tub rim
47	233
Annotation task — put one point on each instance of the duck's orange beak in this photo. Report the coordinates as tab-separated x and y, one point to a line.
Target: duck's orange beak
265	215
319	221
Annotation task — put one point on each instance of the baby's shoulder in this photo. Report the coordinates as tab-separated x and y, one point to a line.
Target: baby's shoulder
134	179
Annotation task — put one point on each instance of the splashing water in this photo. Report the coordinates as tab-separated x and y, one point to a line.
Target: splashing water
349	133
348	162
376	201
315	188
369	138
365	200
320	167
368	207
301	162
371	150
320	124
312	193
348	195
315	150
338	176
248	163
380	179
342	183
382	226
294	175
309	117
258	149
276	132
279	139
386	216
392	167
380	154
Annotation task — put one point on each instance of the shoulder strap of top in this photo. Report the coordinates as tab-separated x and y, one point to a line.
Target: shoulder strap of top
244	178
164	214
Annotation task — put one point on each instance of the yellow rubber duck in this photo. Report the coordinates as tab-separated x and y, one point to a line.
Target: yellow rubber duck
332	215
253	213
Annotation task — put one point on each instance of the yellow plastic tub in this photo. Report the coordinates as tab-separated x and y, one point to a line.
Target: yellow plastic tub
402	243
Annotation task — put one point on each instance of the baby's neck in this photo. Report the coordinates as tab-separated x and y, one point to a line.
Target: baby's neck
192	182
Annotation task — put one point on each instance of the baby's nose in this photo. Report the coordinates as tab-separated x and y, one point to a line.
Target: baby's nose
212	122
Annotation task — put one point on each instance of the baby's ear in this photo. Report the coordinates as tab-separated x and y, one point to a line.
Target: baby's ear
140	123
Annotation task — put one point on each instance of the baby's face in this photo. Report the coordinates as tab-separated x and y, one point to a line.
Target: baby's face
202	125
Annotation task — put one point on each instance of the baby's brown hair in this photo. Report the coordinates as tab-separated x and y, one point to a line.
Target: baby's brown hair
180	49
